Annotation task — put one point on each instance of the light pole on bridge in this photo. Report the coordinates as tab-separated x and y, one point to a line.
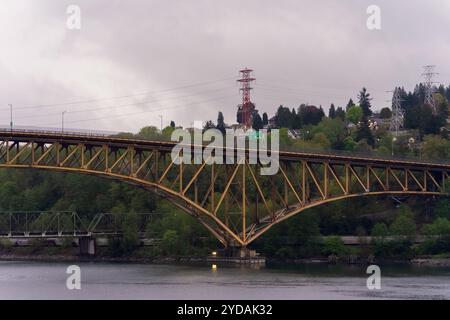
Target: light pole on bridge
161	122
11	117
62	121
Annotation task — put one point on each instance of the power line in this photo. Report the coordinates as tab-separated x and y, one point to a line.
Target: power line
123	105
142	112
124	96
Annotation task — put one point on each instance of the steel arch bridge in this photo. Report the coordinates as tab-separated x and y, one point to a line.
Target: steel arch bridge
234	202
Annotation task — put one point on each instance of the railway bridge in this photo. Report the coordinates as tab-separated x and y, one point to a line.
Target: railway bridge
234	202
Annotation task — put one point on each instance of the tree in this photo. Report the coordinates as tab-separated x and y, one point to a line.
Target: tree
257	122
209	125
435	147
284	117
364	132
310	115
265	119
334	130
167	131
364	102
403	225
340	113
380	230
350	104
172	124
332	112
385	113
439	227
354	114
334	245
221	123
150	132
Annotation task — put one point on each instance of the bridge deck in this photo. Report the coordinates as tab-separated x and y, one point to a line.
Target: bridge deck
293	155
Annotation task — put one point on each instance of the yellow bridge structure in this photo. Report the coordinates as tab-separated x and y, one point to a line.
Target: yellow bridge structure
233	201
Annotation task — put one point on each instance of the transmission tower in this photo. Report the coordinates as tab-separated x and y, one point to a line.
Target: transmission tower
246	109
397	112
428	74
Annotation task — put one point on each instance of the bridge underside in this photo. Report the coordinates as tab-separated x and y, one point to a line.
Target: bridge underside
233	201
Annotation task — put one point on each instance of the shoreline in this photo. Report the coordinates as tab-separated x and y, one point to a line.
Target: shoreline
55	258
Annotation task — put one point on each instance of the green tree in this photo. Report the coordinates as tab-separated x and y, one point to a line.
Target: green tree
221	123
435	147
349	144
334	130
364	102
284	117
439	227
385	113
340	113
380	230
332	111
257	122
265	119
364	133
334	245
403	225
350	104
150	132
354	114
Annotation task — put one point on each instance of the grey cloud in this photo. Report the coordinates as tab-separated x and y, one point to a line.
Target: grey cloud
301	51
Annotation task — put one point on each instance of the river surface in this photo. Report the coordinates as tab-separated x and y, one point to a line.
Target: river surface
32	280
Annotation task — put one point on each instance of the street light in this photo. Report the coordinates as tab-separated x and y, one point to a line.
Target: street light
62	121
392	146
11	122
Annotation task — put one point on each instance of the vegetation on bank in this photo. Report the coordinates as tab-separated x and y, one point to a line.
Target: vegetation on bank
298	237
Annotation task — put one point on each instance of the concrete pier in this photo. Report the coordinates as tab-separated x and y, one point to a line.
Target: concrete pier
88	246
237	256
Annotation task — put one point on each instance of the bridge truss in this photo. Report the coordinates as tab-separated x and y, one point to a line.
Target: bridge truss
233	201
56	224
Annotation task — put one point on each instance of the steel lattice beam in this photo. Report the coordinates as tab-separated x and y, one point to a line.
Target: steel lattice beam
234	202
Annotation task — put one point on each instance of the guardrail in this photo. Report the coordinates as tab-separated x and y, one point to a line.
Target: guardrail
309	150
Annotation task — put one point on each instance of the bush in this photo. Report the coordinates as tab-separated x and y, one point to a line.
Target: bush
380	230
393	249
403	225
435	246
439	227
334	245
170	243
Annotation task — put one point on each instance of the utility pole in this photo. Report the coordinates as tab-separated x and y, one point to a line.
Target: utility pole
11	121
428	74
62	121
161	122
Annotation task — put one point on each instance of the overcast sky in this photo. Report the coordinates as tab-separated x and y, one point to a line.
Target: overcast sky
135	60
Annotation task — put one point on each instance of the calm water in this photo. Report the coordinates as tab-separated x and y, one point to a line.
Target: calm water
30	280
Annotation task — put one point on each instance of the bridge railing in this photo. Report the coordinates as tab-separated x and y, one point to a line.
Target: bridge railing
294	149
46	224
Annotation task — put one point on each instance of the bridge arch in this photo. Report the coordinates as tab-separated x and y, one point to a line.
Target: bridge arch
232	201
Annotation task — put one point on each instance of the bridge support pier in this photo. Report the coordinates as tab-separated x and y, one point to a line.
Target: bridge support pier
238	256
88	246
